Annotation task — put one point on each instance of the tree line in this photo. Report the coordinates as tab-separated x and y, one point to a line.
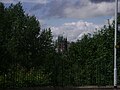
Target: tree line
28	55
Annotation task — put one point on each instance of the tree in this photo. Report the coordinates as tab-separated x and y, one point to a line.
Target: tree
22	41
92	58
4	54
23	44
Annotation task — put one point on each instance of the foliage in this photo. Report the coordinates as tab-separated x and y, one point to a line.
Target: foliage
24	44
95	56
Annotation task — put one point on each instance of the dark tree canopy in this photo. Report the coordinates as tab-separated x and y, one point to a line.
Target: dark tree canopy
22	41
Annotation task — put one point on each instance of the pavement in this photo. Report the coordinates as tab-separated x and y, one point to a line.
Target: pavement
68	88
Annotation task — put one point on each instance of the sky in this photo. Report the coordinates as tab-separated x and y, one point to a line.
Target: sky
70	18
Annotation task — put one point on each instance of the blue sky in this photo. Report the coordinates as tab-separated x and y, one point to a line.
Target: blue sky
70	18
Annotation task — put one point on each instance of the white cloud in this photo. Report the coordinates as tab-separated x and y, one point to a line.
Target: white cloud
90	10
76	8
8	1
70	8
35	1
74	30
41	21
27	1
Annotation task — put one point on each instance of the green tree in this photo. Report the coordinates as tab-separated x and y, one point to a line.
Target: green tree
4	54
23	44
92	58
